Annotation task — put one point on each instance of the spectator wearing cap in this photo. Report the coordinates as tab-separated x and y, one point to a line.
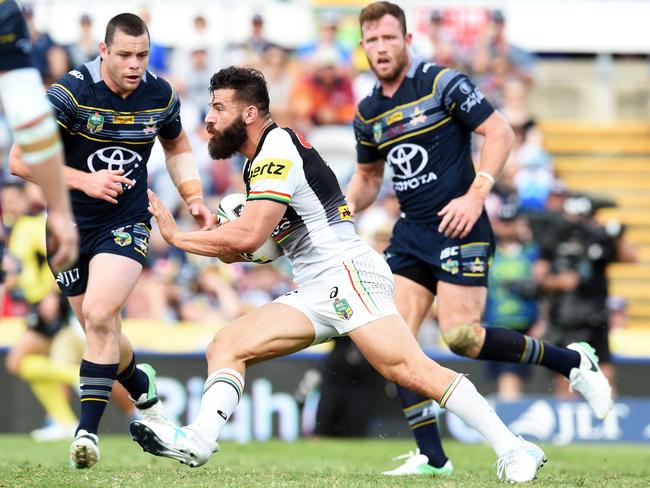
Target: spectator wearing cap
327	42
279	71
324	95
85	49
41	42
251	50
493	44
257	43
512	292
440	45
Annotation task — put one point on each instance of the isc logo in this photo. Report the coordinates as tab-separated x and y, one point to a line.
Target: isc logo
275	169
449	252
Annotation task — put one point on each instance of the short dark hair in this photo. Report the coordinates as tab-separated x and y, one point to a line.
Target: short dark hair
130	24
249	85
376	10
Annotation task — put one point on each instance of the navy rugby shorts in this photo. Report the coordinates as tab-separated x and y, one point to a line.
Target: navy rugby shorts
131	240
419	252
15	44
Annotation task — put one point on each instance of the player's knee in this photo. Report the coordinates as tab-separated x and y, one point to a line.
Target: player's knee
100	321
464	340
223	349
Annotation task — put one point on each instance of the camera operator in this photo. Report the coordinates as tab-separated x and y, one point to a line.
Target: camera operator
575	253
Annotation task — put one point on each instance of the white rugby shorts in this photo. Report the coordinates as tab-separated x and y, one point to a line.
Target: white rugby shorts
346	296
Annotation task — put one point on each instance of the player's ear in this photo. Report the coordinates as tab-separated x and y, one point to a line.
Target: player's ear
250	114
103	50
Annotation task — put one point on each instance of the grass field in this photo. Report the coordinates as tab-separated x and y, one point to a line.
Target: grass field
309	463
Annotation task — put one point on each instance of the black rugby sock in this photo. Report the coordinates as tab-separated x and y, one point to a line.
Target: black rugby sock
96	383
420	413
134	380
511	346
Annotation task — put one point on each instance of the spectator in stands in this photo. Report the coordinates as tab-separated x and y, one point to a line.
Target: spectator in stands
58	64
260	284
327	42
279	72
440	45
210	299
85	49
159	54
325	95
41	42
512	293
493	44
195	78
256	44
250	51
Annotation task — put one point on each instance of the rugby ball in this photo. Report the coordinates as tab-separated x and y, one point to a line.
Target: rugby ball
230	208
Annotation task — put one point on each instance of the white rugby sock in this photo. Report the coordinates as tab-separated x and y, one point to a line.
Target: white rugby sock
462	399
221	395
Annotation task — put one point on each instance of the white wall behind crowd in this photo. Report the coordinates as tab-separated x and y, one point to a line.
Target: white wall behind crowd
588	26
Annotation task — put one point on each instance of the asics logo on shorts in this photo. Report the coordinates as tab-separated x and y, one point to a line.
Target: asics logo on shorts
114	158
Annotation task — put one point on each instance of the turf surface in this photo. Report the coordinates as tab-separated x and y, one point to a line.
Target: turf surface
308	463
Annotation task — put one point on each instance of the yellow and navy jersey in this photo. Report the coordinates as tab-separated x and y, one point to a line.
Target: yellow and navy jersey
424	133
103	131
316	230
27	243
15	45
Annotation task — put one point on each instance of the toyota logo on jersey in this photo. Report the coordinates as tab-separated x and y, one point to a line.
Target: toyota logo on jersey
408	161
114	158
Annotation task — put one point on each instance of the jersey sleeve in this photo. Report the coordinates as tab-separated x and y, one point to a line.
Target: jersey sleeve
171	126
463	100
367	151
274	179
61	97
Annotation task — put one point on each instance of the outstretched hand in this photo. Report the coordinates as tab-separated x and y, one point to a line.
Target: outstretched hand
164	218
201	214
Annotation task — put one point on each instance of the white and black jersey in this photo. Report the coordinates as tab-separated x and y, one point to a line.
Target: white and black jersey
316	231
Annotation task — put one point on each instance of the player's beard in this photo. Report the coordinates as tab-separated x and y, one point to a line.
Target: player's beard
401	62
227	142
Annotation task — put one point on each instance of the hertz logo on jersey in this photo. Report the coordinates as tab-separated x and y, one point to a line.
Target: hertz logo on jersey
344	213
270	169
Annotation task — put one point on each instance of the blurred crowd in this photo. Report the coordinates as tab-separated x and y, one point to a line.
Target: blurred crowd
314	88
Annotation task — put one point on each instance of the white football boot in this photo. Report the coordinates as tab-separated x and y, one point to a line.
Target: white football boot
84	450
521	464
181	443
588	380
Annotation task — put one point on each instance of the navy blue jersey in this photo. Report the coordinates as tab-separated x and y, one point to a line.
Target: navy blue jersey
15	46
102	130
424	132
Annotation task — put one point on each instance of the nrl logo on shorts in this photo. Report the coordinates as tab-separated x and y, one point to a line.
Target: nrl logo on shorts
95	123
343	308
122	238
